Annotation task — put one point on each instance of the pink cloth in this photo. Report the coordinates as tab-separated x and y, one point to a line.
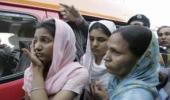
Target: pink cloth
63	70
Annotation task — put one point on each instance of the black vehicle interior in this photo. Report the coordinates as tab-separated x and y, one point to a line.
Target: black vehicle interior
16	31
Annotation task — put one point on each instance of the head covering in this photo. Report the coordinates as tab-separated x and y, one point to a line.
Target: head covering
141	18
165	70
88	57
108	24
143	75
64	52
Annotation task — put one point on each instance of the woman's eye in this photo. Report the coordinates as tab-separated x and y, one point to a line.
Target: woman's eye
91	39
159	34
167	33
113	51
34	41
45	40
101	39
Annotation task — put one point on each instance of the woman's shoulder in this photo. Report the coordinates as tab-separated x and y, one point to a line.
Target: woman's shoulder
136	94
77	80
82	70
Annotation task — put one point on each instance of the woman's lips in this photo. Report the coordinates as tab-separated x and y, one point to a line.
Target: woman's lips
39	55
163	41
95	50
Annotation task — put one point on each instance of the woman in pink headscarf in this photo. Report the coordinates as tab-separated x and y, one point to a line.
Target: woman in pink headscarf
53	73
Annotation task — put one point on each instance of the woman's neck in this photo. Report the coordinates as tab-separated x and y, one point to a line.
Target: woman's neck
46	69
98	60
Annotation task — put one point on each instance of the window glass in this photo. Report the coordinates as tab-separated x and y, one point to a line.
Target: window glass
16	32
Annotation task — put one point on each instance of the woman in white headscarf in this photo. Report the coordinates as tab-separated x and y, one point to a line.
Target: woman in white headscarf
98	34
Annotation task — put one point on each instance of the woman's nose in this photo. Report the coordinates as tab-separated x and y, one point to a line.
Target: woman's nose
163	37
95	43
107	56
38	46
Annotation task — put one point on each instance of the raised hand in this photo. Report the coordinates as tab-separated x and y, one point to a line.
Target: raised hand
36	63
70	13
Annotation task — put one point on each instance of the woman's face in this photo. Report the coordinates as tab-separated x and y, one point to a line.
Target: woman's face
98	42
164	37
119	60
43	45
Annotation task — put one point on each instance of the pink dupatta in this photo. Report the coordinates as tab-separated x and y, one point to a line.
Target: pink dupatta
64	52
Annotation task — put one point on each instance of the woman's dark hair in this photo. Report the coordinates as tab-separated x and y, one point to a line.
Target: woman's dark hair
162	28
138	38
49	25
100	26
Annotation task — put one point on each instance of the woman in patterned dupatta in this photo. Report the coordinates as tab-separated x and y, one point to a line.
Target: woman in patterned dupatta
133	59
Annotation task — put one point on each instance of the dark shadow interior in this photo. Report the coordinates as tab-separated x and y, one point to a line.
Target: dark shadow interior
18	30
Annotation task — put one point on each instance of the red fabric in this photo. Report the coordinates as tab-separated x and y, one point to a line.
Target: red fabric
12	90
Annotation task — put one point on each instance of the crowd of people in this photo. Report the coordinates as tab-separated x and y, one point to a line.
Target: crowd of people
162	84
125	63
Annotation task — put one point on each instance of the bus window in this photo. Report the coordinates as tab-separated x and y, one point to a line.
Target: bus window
16	32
